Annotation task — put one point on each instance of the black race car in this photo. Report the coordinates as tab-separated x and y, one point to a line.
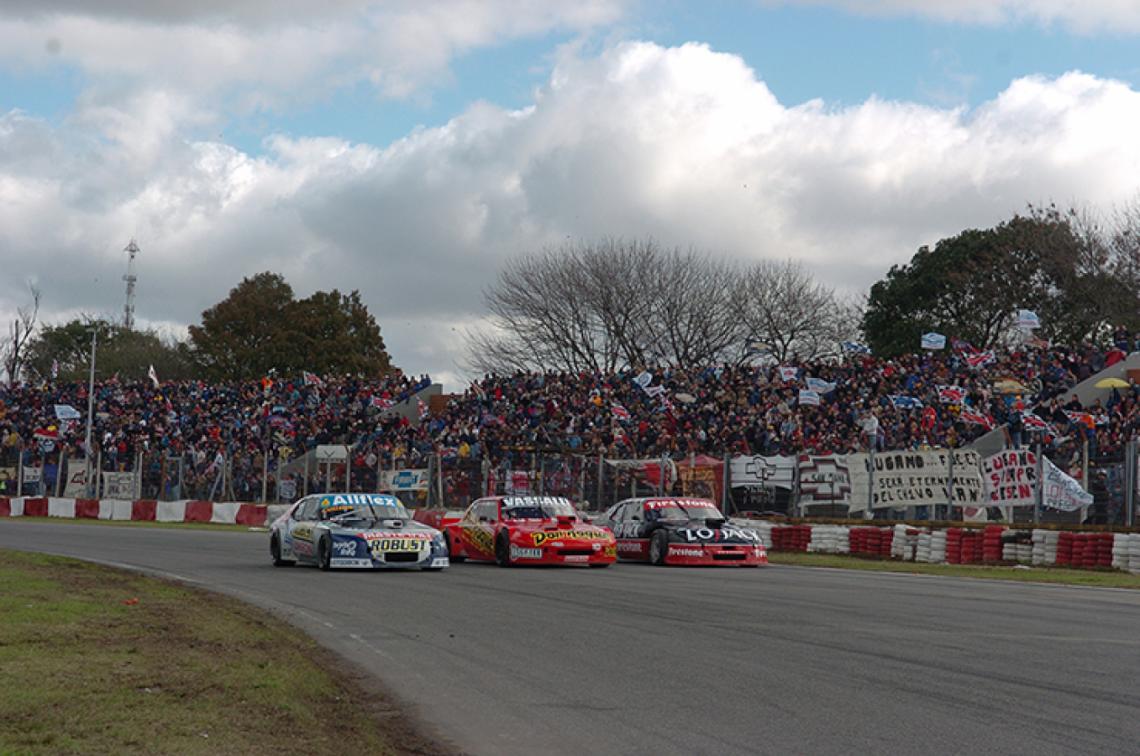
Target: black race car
681	531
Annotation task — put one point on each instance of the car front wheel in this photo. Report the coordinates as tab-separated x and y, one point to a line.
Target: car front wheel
503	550
275	551
451	550
324	553
658	547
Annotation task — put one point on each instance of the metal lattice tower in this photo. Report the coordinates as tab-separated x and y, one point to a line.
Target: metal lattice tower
131	249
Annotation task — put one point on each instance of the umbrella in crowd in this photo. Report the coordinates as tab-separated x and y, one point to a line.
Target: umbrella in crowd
1009	386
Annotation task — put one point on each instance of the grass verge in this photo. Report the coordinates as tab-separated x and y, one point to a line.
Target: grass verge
98	660
217	526
1101	578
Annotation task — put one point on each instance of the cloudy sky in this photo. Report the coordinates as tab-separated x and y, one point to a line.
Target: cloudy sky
406	147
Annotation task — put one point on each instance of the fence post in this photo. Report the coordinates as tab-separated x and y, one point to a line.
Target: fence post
581	478
726	482
1085	465
379	471
308	459
99	474
949	487
661	478
1039	500
601	482
20	472
439	479
59	469
870	513
348	471
1130	481
264	474
541	474
138	475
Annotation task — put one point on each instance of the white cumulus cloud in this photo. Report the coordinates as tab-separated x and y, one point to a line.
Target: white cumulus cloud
1082	16
684	144
267	53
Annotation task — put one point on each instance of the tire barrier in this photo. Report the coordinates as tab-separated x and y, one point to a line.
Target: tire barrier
791	537
992	544
870	541
219	512
938	547
1044	547
829	539
904	542
1120	551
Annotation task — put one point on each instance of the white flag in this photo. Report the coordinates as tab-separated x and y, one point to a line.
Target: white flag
67	412
808	397
153	376
1062	491
933	341
1028	319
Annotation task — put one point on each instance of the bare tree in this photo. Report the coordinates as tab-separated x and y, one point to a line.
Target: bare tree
693	314
606	306
783	307
20	332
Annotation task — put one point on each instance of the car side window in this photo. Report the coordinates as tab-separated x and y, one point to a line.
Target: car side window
490	511
309	509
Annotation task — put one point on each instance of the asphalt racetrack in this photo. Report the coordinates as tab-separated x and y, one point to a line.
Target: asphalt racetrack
640	660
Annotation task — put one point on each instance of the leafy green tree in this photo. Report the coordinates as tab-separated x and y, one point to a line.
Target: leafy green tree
261	327
338	334
127	353
971	285
247	333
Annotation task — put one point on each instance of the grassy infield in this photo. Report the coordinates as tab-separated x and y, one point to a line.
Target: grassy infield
98	660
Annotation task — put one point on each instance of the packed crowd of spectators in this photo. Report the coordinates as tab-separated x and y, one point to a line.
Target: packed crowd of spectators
935	398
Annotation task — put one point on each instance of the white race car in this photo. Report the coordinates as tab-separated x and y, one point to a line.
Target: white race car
360	531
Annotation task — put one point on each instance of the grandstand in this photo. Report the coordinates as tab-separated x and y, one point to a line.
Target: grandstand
255	441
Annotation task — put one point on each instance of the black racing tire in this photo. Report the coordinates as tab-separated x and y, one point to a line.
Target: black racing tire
658	547
503	549
324	553
275	552
451	552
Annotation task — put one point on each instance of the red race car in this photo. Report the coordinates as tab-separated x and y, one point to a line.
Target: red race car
681	531
516	530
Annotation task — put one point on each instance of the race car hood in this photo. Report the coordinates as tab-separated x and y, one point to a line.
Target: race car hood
711	531
387	524
560	529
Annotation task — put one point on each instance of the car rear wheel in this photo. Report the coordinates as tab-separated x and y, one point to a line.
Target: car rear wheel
324	553
503	550
275	551
658	547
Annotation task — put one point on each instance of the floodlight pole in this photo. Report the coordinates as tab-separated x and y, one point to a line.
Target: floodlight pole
90	411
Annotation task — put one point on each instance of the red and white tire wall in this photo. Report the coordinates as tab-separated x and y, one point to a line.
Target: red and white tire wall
187	510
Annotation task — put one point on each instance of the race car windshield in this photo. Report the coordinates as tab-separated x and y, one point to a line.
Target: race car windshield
682	512
393	511
544	510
